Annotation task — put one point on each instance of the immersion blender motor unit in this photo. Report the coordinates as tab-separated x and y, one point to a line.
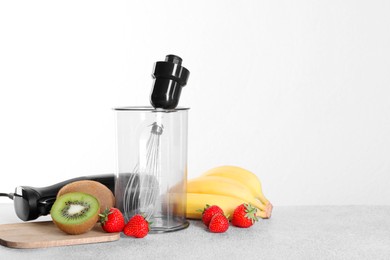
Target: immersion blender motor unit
169	77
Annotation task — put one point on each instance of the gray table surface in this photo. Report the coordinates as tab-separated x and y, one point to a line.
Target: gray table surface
301	232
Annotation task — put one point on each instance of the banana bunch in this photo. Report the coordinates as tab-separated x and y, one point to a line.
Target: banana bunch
227	187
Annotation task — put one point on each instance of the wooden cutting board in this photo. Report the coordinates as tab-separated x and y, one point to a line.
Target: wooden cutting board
46	234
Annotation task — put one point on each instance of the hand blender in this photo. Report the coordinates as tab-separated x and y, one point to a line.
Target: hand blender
31	202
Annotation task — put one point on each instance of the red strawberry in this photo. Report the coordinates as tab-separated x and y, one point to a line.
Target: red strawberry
244	216
208	212
137	227
219	223
112	220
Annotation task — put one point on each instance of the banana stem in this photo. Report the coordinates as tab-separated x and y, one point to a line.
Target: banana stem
263	211
262	214
267	208
259	205
268	205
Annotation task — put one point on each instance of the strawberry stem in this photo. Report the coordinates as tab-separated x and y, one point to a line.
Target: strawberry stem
204	209
251	212
104	216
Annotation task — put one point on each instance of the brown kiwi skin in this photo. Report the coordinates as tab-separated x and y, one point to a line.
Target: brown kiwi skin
103	194
78	229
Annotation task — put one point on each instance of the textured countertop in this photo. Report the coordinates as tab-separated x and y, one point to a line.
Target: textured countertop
302	232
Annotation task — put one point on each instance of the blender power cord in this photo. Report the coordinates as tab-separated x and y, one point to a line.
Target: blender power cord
9	195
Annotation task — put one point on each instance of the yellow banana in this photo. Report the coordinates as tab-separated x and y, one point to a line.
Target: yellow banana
223	186
243	176
197	201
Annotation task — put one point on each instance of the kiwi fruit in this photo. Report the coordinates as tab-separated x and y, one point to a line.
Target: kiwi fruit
103	194
75	212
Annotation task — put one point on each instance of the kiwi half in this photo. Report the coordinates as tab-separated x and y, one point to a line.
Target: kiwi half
75	212
99	191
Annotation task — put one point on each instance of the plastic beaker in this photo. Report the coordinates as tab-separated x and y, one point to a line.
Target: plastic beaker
152	165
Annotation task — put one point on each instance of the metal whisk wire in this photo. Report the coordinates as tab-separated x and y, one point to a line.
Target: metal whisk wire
142	189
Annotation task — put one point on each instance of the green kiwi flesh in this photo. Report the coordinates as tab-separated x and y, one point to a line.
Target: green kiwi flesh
75	213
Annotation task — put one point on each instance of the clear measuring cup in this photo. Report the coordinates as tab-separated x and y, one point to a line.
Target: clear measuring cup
152	165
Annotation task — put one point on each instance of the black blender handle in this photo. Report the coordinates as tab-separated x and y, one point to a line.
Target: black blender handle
106	179
31	202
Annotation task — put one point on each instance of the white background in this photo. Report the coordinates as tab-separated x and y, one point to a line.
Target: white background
296	91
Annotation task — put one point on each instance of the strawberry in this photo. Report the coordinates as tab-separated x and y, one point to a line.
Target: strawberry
219	223
112	220
208	212
244	216
137	227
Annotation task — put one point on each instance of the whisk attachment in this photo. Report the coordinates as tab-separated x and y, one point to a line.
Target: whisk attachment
142	189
